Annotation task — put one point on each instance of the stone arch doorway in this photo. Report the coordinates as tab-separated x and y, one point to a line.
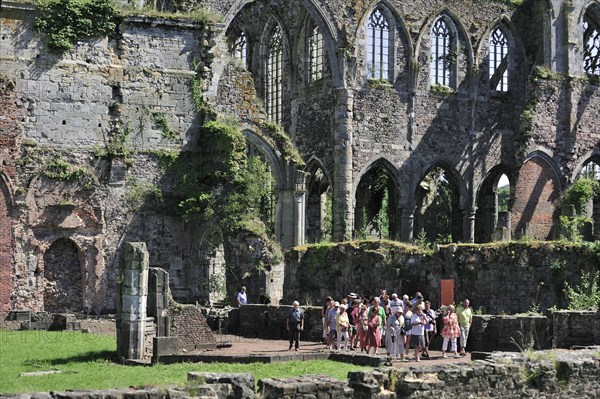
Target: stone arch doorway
439	216
493	206
6	249
63	277
376	211
211	278
319	223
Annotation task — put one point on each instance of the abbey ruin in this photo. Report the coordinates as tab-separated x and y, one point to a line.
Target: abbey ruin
362	113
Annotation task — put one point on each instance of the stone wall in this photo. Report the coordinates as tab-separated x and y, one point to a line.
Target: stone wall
500	278
72	107
557	329
551	374
190	328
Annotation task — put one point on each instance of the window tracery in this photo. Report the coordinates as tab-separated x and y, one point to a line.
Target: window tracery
498	61
378	45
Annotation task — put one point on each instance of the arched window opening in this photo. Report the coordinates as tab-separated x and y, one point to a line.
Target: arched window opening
438	217
442	55
591	171
274	81
316	54
63	277
591	43
319	209
212	278
376	213
498	61
261	170
378	46
239	49
492	220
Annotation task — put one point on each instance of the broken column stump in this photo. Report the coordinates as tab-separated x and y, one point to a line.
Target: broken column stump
132	298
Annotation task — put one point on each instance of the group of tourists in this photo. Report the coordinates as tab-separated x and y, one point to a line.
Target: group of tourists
390	322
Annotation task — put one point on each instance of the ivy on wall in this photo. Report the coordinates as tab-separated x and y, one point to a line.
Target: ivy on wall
221	182
66	21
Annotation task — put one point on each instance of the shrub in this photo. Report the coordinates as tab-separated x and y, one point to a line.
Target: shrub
66	21
585	296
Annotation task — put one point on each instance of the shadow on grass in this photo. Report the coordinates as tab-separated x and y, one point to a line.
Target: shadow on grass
87	357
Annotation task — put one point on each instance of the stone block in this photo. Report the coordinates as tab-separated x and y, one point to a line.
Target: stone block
164	346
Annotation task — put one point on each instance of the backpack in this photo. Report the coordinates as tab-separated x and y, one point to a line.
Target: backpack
407	324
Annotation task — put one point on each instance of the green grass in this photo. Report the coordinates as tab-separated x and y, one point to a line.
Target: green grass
87	363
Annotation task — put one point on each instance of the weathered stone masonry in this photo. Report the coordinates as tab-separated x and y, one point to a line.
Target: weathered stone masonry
348	129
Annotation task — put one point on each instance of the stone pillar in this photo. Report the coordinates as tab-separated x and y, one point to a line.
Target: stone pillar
158	299
408	220
342	175
300	223
131	304
469	226
285	225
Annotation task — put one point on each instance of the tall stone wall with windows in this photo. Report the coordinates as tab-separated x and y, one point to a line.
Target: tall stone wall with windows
368	129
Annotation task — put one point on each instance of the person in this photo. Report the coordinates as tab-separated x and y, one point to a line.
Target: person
363	327
450	332
328	304
377	309
395	303
295	325
354	323
465	318
373	334
408	314
430	327
331	324
342	327
393	342
241	297
417	331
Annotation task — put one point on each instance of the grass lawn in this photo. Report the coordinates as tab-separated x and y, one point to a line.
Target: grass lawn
85	360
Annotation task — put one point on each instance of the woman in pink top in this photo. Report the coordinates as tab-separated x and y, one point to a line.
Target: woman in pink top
373	335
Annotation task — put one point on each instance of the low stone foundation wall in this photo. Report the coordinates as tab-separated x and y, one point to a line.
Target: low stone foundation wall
549	374
559	329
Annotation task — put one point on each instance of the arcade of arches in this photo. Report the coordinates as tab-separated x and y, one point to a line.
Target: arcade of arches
442	121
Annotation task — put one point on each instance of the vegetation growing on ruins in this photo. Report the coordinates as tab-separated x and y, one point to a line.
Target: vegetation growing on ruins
586	295
67	21
87	362
441	90
116	144
59	169
160	120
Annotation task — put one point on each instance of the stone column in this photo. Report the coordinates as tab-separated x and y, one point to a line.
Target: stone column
469	226
158	299
132	297
408	220
285	225
342	175
300	200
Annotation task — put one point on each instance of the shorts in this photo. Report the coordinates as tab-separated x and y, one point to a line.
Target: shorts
417	340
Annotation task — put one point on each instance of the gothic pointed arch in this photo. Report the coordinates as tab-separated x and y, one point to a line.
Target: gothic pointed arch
207	279
319	212
321	19
63	277
445	43
590	26
377	194
384	47
494	203
537	189
275	58
501	58
591	170
440	198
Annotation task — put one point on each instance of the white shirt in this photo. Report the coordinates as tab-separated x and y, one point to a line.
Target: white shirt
242	298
